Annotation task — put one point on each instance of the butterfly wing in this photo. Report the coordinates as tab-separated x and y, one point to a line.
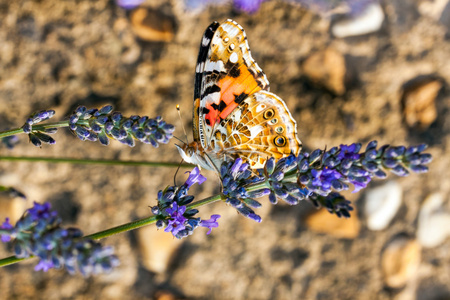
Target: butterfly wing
261	127
226	74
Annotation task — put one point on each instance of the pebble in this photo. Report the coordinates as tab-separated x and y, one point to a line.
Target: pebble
324	222
381	205
327	68
368	21
156	248
418	101
434	223
151	25
11	207
433	9
400	261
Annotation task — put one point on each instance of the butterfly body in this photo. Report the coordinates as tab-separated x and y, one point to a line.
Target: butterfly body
234	113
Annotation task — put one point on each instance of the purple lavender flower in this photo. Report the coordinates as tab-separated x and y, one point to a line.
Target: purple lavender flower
349	152
249	6
176	219
319	173
44	265
194	177
10	141
211	223
129	4
172	211
275	174
235	176
6	226
322	180
38	232
103	124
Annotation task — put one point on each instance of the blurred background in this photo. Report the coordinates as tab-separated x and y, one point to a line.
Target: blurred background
349	71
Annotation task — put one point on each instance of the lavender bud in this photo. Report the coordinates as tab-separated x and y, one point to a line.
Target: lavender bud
390	163
315	155
80	110
116	117
259	193
303	166
127	124
419	169
272	198
34	140
107	109
252	203
45	138
26	128
425	158
103	138
400	171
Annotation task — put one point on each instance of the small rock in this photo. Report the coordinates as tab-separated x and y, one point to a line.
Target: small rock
322	221
151	25
327	68
368	21
445	16
381	205
433	9
400	261
11	207
165	295
156	248
434	223
418	102
131	55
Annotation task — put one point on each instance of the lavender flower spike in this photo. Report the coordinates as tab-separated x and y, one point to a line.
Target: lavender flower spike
37	137
103	124
172	212
38	232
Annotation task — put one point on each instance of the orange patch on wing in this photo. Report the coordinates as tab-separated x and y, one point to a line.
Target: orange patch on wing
211	116
227	111
234	86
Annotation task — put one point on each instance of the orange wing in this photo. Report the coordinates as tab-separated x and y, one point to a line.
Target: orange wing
226	74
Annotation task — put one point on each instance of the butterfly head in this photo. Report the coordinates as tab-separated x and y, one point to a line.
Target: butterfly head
193	153
188	152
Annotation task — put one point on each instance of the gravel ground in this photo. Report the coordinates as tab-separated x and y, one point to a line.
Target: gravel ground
390	85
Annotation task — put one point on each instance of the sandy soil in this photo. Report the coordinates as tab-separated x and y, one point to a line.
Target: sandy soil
61	54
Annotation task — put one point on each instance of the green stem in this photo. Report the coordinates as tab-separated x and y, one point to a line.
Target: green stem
40	127
94	161
120	229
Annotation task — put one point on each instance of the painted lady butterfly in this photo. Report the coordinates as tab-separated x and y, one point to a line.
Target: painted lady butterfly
234	113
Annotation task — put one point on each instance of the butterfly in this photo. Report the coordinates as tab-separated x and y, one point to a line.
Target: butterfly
234	113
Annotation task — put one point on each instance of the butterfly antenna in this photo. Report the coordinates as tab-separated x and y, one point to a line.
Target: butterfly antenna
182	126
176	172
179	139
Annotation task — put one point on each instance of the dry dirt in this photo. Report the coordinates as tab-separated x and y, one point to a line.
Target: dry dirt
61	54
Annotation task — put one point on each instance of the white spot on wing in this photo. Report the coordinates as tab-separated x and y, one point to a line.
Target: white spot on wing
205	41
212	98
215	66
234	57
260	108
254	131
199	68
